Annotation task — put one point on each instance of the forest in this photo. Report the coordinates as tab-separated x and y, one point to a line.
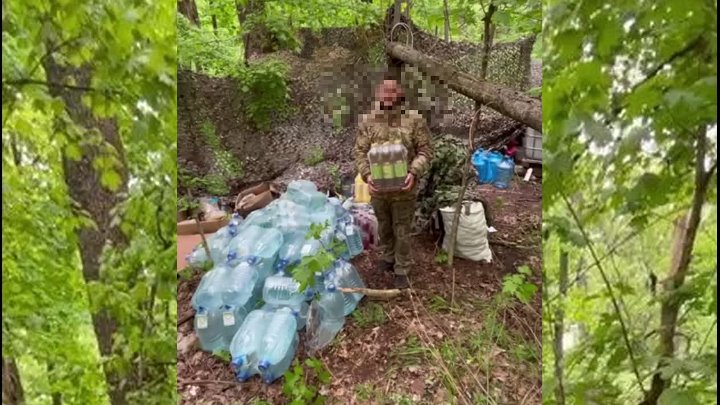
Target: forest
88	190
630	203
270	91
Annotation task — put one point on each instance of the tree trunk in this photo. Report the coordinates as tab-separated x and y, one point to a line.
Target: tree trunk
251	33
487	44
12	389
506	101
188	8
685	230
446	11
487	41
85	188
559	327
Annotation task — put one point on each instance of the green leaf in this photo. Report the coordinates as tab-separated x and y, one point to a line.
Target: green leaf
674	396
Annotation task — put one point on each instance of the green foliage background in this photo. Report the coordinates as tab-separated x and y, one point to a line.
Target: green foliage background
47	305
629	89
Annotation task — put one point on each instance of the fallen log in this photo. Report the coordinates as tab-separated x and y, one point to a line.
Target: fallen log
506	101
375	294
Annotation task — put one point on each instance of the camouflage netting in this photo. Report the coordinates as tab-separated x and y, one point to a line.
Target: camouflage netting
348	88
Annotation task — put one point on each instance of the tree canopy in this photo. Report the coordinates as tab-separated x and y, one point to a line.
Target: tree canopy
89	109
629	202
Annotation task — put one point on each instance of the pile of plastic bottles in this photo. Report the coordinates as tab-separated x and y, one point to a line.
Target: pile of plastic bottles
493	168
252	261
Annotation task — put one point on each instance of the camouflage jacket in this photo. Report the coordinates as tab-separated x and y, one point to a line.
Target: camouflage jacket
410	128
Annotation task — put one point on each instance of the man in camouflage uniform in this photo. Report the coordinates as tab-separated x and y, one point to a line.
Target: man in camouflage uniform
395	211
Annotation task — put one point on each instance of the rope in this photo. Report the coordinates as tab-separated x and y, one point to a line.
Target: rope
407	28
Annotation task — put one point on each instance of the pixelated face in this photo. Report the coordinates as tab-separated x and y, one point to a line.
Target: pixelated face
389	94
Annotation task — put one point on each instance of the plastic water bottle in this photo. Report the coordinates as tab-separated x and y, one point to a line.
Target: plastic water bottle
310	248
238	284
243	244
280	340
246	344
326	318
208	328
317	287
232	318
353	240
289	253
492	161
505	170
299	311
282	290
347	276
207	294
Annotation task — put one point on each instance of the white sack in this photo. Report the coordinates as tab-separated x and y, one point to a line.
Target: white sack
472	242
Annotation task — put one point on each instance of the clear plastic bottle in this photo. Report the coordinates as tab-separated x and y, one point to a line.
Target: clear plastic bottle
246	344
277	343
259	247
238	284
273	371
282	290
289	253
375	160
208	328
505	170
347	276
207	294
232	318
388	174
326	318
398	157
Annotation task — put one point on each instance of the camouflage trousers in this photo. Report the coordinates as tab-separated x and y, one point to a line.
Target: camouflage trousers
395	224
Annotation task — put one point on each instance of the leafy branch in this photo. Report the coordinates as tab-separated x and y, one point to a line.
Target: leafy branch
609	288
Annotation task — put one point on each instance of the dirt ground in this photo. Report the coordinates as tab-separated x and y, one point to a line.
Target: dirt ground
415	349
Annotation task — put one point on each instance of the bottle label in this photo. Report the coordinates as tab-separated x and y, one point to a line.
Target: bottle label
305	250
202	321
400	169
228	318
376	171
387	171
350	230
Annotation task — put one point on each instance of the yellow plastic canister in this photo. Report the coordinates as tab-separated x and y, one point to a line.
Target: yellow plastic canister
362	192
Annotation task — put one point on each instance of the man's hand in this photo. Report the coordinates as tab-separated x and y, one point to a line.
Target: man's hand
409	182
371	185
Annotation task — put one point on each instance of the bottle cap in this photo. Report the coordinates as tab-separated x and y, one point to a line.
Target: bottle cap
263	365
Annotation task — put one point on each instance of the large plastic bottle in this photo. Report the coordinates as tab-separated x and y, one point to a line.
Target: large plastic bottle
207	294
388	172
362	192
345	275
299	311
279	341
398	157
493	159
261	250
238	284
479	161
505	170
242	246
208	328
375	160
232	319
246	344
282	290
326	318
289	253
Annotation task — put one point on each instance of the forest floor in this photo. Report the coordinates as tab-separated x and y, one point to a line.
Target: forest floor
415	349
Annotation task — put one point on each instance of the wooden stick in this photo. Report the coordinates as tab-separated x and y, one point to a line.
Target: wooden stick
458	205
375	294
206	382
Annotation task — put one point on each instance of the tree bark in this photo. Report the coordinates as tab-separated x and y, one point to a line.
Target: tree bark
12	389
85	188
446	11
251	32
487	40
684	233
506	101
559	327
188	8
